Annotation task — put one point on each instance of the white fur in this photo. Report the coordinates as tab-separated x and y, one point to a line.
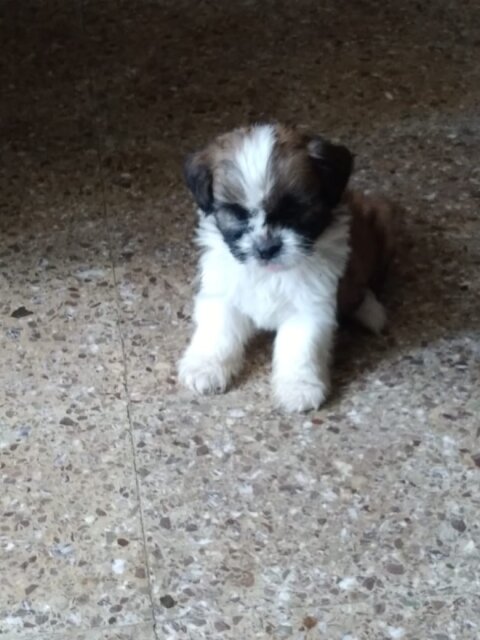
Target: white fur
371	313
252	160
298	302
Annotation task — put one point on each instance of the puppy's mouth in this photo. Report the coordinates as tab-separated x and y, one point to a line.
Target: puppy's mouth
273	267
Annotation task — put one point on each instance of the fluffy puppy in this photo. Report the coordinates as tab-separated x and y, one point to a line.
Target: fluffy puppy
285	247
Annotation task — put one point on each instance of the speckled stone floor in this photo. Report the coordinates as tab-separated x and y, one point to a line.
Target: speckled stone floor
131	510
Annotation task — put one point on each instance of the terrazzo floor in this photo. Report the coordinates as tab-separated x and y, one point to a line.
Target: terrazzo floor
131	510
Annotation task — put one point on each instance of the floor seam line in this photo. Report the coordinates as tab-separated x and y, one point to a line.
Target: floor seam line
98	148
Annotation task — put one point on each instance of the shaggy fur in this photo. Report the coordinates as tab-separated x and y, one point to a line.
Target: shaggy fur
285	247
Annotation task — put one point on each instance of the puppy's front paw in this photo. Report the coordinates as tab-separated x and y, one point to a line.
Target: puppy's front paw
300	395
203	374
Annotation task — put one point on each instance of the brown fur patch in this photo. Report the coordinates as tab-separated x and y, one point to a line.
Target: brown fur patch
220	154
373	229
292	167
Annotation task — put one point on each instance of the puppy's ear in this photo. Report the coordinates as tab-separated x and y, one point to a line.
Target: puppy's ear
334	164
199	179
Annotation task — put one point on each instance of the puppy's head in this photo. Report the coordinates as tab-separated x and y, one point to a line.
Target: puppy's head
270	189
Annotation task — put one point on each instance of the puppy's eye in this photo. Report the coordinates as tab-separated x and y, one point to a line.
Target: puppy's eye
289	207
237	210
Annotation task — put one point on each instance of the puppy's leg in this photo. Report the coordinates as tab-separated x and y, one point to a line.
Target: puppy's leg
215	353
301	363
371	313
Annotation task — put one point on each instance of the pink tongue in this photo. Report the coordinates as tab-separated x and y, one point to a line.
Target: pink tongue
273	267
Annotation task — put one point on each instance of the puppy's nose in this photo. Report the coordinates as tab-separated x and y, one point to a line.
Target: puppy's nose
268	248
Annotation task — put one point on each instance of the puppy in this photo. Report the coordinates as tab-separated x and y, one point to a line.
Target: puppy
285	247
